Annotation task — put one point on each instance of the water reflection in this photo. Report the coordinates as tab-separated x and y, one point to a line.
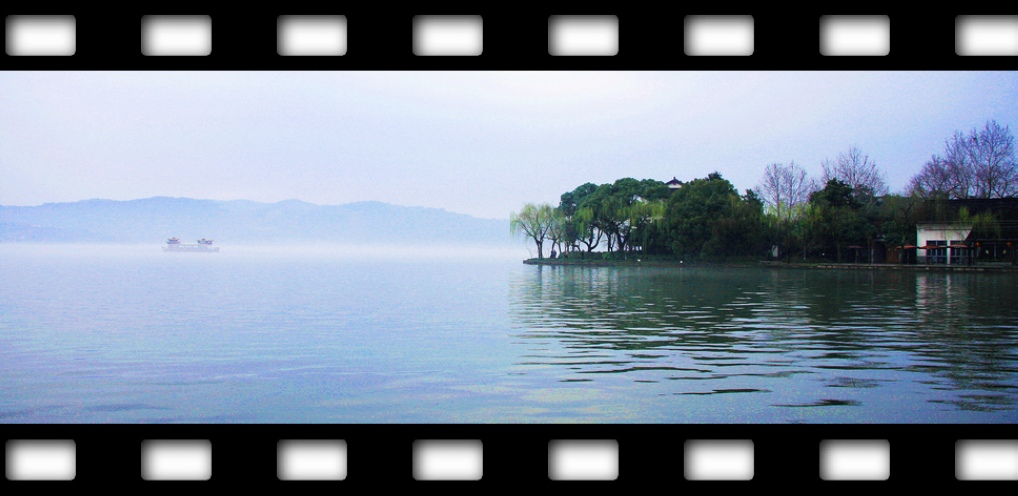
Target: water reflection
893	345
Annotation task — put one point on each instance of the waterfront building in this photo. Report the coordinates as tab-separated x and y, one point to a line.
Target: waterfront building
989	233
943	242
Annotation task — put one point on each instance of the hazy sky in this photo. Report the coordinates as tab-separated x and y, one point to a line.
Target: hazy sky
476	143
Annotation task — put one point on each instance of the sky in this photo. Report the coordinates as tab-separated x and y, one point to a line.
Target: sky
478	143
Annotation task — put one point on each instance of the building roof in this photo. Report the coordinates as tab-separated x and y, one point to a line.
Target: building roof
943	225
1005	216
1005	209
1003	227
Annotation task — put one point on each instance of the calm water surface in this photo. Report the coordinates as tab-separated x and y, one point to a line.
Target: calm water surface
130	334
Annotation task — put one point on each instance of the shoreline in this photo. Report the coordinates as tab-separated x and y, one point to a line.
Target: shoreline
770	264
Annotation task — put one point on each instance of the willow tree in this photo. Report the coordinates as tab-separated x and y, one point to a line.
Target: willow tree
580	227
558	231
642	218
533	221
587	231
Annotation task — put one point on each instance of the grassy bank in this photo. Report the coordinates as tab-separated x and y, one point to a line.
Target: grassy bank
768	264
595	262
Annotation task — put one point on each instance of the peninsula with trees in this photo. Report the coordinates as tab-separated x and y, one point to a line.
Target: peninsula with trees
967	195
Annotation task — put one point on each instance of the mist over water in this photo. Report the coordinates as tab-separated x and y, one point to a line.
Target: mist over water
249	251
334	333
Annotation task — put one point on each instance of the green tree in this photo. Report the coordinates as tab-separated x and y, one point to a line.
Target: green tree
645	219
602	209
533	221
740	231
558	232
838	220
627	207
707	218
579	220
899	215
599	209
625	213
646	215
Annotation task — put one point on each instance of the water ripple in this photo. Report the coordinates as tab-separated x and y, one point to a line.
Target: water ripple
901	332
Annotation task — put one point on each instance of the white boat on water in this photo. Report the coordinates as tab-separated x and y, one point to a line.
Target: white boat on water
203	246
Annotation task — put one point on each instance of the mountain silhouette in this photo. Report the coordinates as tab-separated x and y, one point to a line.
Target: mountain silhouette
153	220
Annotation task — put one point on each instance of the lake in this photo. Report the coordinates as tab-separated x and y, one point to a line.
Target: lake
373	335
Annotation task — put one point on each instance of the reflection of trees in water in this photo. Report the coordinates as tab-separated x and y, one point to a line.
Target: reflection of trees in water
944	325
957	330
661	323
839	316
968	324
639	303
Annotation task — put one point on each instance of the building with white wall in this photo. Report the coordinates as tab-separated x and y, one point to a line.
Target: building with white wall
945	235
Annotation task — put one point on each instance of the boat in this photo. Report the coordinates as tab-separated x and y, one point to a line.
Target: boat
203	246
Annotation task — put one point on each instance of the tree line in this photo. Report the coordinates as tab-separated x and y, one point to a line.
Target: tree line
833	217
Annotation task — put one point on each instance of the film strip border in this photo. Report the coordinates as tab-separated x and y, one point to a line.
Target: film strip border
507	455
513	456
511	40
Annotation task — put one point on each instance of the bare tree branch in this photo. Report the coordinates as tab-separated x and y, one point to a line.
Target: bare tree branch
981	164
992	155
784	187
858	171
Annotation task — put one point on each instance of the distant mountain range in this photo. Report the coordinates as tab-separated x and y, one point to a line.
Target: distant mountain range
153	220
